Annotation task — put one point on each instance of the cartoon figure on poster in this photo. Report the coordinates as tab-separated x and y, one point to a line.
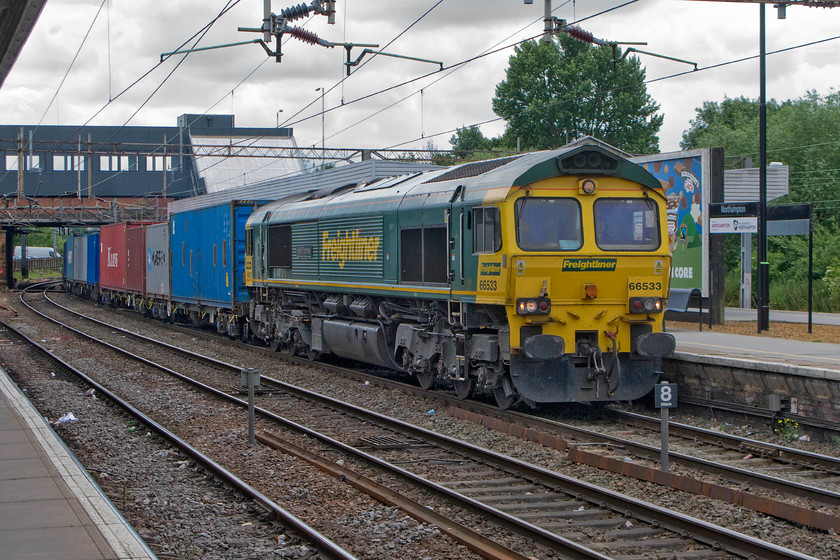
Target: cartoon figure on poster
683	206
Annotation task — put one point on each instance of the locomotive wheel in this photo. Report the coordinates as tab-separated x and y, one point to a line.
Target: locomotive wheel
505	397
426	378
464	389
299	346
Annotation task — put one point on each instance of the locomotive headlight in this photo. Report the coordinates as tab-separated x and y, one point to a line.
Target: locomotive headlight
587	186
645	305
533	306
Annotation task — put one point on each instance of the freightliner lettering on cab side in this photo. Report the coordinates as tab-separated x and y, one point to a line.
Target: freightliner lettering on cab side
586	265
491	269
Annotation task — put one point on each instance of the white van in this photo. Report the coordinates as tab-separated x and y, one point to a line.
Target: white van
37	253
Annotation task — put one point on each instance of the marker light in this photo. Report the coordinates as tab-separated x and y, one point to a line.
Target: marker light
533	306
645	305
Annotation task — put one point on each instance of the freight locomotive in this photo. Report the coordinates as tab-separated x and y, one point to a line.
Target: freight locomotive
536	278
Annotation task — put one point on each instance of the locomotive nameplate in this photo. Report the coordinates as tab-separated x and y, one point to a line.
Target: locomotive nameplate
645	285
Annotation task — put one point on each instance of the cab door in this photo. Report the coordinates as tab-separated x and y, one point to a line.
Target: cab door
455	221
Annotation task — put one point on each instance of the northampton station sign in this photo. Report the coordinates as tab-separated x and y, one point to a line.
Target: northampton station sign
733	217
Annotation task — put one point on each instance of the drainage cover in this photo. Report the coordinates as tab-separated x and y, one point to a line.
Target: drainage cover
389	442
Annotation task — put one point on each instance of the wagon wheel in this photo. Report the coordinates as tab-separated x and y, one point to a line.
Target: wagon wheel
195	319
276	344
464	388
505	396
426	378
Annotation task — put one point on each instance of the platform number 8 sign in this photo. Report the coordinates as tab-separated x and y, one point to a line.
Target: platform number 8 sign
665	395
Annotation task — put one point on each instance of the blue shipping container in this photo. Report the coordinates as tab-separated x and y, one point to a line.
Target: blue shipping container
93	258
86	258
207	248
67	267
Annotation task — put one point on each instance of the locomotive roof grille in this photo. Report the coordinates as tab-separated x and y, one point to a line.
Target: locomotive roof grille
472	169
329	191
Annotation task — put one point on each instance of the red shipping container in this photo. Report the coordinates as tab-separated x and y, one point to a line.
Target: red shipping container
135	281
113	256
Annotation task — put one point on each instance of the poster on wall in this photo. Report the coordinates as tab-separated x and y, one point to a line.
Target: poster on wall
684	176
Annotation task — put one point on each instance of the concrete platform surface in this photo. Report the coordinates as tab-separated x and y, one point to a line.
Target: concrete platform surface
763	349
760	349
49	507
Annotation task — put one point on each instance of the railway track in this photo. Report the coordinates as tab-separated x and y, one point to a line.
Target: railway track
328	550
560	513
757	414
811	478
222	374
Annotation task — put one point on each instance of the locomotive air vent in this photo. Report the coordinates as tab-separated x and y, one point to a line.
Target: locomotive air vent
589	161
472	169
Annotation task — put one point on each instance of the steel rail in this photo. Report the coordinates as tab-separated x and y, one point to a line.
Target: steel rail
732	442
772	507
570	549
326	546
762	413
652	453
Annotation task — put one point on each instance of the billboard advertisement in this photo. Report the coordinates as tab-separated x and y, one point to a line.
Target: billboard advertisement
685	178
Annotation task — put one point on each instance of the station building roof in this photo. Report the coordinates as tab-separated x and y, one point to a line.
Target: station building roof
139	161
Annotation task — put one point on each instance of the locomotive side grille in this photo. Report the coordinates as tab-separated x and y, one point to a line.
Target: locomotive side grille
472	169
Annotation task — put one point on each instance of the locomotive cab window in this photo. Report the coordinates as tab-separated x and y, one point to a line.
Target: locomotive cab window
626	224
488	230
548	224
279	246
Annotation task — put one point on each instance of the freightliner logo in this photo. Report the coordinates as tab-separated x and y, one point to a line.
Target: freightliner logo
584	265
491	269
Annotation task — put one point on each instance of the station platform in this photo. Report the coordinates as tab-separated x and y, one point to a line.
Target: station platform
764	348
761	372
49	506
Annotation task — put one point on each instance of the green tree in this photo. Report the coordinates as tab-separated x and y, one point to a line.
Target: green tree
552	92
805	135
467	140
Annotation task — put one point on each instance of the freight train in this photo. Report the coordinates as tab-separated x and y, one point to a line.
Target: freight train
536	278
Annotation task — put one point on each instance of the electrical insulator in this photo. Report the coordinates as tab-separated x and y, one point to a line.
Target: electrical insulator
308	36
295	12
580	34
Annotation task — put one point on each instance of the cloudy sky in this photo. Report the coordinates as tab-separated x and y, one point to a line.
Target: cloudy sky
382	102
